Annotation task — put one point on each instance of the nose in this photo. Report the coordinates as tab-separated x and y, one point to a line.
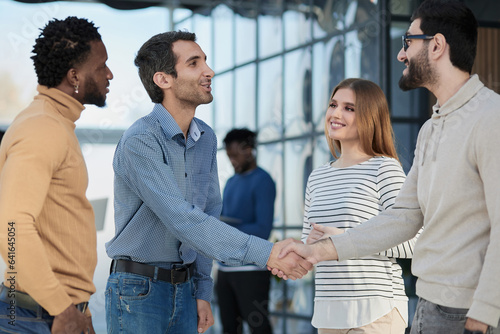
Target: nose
209	72
110	74
402	55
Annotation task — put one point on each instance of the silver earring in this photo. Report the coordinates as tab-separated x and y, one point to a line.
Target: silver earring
76	89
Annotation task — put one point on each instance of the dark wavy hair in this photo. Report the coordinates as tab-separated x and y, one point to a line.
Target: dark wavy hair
156	55
458	25
62	45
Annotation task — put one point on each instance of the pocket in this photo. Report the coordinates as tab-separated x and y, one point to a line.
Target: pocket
201	183
452	313
134	288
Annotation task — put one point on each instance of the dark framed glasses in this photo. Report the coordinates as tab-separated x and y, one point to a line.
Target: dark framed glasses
406	37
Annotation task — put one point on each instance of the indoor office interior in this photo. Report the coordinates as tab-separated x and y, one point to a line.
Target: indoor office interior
276	63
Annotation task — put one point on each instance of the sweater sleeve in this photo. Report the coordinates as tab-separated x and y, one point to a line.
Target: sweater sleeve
33	152
390	178
486	300
391	227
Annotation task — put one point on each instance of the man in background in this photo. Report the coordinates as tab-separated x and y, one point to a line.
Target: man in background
47	227
248	205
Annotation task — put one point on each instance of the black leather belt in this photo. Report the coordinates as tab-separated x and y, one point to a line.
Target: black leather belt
174	276
24	300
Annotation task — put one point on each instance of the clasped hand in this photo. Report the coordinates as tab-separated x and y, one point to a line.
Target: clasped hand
295	258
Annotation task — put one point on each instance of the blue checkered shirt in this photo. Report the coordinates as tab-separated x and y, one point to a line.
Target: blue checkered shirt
167	198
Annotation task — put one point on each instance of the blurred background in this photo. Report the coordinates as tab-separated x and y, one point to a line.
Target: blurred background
276	63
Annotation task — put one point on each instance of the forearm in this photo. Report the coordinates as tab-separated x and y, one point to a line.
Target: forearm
382	232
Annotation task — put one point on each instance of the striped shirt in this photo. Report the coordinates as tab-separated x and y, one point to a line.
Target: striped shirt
345	198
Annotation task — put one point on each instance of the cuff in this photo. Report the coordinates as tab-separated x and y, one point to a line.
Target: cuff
57	302
258	251
345	248
485	313
204	290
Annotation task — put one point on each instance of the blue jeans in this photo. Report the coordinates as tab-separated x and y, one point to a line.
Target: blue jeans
21	320
136	304
431	318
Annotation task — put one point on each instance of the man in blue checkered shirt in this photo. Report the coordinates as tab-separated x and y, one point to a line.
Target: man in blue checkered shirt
167	203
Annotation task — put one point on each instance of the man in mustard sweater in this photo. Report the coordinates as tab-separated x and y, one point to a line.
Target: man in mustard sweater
452	188
47	228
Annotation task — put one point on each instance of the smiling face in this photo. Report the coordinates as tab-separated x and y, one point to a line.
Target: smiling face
418	71
194	77
341	116
95	76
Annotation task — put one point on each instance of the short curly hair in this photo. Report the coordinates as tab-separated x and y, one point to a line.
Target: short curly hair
61	45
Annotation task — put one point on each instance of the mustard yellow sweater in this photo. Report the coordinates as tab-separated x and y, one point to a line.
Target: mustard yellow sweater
47	228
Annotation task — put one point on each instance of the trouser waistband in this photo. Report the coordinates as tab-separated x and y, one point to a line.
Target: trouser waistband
174	276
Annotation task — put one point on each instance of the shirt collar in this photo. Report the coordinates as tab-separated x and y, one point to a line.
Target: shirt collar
460	98
170	126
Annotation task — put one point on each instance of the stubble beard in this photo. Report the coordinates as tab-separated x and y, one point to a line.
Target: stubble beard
420	73
92	94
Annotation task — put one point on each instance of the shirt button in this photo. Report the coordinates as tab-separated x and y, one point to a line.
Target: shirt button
185	174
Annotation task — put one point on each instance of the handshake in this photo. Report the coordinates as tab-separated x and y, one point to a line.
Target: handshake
291	259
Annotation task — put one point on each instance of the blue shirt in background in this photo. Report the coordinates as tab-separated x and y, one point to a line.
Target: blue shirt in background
248	204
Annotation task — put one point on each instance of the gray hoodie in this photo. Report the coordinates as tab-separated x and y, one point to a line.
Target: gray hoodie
453	190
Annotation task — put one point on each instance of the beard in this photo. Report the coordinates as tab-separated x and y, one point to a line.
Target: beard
420	73
92	94
189	94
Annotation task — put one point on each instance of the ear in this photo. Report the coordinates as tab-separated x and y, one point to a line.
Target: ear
162	80
72	77
439	46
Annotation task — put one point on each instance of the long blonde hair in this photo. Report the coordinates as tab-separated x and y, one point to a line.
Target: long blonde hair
372	119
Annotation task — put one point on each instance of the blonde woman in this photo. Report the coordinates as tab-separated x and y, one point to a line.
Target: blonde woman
364	295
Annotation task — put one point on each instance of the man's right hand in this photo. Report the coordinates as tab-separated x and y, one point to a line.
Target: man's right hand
292	266
71	321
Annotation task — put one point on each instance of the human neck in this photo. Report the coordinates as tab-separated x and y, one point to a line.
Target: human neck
351	155
449	83
183	115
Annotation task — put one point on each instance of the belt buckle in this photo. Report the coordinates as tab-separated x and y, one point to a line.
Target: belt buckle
174	278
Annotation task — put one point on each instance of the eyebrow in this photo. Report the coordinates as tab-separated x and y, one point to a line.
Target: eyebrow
194	57
347	103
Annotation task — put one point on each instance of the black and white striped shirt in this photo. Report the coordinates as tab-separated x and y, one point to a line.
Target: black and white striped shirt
345	198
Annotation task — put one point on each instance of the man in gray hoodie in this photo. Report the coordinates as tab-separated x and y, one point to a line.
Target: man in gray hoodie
452	188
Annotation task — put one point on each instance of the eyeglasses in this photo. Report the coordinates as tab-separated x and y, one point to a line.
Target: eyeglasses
406	37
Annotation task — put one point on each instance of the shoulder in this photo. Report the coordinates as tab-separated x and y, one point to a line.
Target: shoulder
144	134
320	171
262	176
39	128
387	162
388	168
485	105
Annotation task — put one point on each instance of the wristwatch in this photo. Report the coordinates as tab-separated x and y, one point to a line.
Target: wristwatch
466	331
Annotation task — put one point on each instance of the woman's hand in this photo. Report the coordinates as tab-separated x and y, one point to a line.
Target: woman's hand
319	232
